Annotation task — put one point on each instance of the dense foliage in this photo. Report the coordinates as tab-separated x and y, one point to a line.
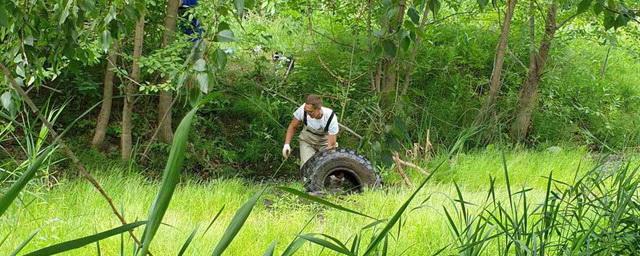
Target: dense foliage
406	77
442	53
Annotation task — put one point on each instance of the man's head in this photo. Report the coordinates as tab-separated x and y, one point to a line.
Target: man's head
313	106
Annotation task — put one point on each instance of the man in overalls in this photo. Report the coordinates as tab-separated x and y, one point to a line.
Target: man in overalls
319	132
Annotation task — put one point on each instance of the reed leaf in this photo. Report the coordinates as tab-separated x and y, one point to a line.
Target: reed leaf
381	236
80	242
187	242
322	201
170	179
339	248
236	224
24	243
13	192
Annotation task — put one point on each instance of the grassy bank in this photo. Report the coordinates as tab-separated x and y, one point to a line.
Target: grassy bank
73	209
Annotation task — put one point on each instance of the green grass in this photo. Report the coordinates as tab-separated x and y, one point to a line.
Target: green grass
73	209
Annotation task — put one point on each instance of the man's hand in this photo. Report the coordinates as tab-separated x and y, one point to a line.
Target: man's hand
286	151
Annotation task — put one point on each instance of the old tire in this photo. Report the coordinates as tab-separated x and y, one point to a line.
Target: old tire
339	171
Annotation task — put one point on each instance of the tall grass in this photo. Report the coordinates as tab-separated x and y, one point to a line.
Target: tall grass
292	222
596	214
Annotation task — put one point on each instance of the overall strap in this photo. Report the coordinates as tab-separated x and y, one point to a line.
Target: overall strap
304	119
326	128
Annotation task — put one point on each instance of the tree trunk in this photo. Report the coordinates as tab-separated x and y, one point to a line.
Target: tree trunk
529	92
130	89
107	93
496	75
388	73
164	106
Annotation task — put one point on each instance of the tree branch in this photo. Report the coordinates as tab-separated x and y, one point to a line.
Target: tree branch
567	20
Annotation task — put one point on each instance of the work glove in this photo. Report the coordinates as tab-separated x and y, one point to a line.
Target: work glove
286	151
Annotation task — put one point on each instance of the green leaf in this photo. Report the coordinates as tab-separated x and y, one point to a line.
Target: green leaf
373	224
6	104
249	4
4	16
111	15
200	65
609	20
597	8
80	242
294	246
326	244
584	5
483	3
220	58
20	70
223	26
99	251
87	5
621	21
130	12
171	176
377	50
24	243
225	36
65	12
269	251
28	40
391	13
236	224
203	82
213	220
434	6
413	15
389	48
239	4
405	43
13	192
321	201
187	242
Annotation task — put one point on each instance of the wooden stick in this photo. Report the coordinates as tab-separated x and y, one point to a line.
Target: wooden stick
398	168
399	161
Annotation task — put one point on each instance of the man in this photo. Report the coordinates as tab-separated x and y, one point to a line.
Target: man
319	132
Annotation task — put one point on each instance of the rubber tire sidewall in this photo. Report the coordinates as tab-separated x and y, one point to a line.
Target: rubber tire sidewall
320	166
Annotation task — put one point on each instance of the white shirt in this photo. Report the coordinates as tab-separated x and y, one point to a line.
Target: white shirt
319	124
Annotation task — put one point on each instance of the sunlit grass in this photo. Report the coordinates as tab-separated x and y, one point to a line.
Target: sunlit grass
73	209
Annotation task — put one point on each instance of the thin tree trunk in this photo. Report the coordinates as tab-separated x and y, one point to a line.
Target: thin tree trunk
603	70
378	77
164	105
389	64
107	94
130	89
496	75
529	92
56	138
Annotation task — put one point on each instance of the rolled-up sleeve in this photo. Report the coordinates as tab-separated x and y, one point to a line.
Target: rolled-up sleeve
299	113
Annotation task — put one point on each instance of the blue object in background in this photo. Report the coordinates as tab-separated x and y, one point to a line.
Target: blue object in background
194	24
189	3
